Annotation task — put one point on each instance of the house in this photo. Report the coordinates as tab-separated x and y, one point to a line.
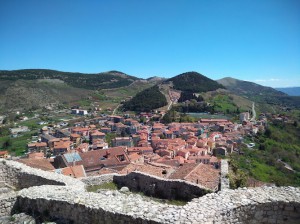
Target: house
75	138
220	151
20	129
169	134
38	163
62	133
99	144
4	154
79	112
82	131
61	147
120	128
115	158
72	171
140	150
37	147
136	158
122	141
244	116
46	138
36	155
183	153
83	147
155	169
201	174
116	119
105	130
96	135
67	159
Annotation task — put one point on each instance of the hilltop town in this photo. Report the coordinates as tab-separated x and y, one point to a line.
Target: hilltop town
122	144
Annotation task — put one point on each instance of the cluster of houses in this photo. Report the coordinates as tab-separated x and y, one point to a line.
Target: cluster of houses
117	144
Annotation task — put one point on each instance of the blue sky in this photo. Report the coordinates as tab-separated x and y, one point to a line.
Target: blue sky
257	40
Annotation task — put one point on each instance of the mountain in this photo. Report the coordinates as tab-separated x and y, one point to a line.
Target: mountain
158	95
146	100
104	80
193	82
259	93
291	91
31	89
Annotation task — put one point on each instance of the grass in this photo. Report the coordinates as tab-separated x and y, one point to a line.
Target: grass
104	186
113	186
224	103
16	145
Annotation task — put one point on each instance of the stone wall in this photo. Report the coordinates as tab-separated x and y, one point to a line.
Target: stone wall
98	180
7	202
70	202
159	187
224	182
22	176
257	205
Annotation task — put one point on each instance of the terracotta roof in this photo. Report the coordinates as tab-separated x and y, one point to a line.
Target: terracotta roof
42	164
74	135
3	152
147	168
140	149
62	144
134	157
36	155
97	133
202	174
73	171
96	159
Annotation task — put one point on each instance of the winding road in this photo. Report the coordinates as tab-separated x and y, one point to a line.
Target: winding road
253	112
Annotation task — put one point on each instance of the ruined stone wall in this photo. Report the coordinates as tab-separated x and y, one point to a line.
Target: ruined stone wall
72	203
224	182
160	187
22	176
7	202
98	180
257	205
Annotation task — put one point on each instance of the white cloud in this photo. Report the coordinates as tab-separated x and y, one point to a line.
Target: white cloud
277	82
268	80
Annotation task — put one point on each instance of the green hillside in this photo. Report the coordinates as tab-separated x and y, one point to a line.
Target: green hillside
194	82
258	93
146	100
104	80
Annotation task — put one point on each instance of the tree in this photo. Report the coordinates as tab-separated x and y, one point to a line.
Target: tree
295	124
7	143
268	132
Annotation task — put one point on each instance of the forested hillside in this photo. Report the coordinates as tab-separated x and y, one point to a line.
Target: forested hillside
146	100
105	80
194	82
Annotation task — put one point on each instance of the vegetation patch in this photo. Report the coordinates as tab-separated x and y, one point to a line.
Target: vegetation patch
277	159
194	82
104	186
146	100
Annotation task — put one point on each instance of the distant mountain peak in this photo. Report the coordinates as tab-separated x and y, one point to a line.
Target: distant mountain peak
194	82
291	91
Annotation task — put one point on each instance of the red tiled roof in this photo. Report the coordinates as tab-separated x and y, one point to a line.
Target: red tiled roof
42	164
202	174
74	171
156	170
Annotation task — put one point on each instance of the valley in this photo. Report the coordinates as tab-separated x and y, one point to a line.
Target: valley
46	103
